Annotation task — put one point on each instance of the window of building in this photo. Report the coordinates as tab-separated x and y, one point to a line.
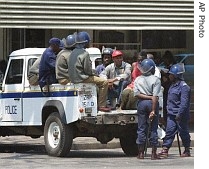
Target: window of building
163	39
122	40
22	38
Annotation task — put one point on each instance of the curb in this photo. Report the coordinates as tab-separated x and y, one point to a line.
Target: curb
115	143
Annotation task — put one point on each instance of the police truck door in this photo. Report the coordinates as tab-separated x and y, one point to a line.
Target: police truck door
12	88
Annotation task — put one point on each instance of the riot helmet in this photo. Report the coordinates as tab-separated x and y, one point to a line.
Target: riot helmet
177	70
70	41
107	51
147	66
83	37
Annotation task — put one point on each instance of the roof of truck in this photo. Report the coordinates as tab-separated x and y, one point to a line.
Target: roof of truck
39	51
93	50
27	51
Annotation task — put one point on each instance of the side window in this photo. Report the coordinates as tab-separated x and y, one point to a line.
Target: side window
15	72
30	63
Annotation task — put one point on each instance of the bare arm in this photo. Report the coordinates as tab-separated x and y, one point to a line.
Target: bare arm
154	103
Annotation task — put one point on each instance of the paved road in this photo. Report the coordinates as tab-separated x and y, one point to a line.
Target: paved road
18	152
79	143
35	158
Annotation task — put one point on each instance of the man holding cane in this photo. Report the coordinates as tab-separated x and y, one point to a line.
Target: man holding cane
178	106
147	89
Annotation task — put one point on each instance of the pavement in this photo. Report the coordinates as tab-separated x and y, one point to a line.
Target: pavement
92	143
79	143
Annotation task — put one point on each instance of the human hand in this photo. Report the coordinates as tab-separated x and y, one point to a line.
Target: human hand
152	115
178	117
110	85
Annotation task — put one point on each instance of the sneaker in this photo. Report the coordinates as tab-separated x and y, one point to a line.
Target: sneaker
105	109
163	153
186	153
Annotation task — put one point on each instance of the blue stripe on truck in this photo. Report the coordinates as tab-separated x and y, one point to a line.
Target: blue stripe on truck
38	94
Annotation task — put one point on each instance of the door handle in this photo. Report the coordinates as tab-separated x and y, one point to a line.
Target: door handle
17	99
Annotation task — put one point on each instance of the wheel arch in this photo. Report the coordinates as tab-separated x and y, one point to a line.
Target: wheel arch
53	106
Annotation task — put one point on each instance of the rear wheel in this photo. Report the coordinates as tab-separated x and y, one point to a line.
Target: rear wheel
128	145
58	137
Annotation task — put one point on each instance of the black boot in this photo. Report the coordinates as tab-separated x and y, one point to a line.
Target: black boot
186	152
154	155
141	151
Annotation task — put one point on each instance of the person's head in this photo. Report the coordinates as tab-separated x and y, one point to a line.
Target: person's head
83	40
176	72
117	57
107	56
168	58
141	56
147	67
70	41
56	44
150	56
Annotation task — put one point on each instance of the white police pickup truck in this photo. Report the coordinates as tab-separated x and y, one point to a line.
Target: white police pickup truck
68	112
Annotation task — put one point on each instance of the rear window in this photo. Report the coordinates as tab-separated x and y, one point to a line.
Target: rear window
187	60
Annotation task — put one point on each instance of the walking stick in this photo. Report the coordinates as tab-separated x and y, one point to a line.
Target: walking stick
147	136
177	134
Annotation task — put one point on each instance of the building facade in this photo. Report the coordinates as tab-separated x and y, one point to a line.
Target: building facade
154	25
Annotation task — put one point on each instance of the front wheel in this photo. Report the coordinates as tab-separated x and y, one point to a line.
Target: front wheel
58	137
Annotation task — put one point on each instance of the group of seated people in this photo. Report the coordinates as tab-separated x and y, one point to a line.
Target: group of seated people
67	61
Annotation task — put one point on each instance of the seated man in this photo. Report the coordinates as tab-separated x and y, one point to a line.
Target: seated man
62	60
33	74
128	100
106	60
47	74
80	69
118	75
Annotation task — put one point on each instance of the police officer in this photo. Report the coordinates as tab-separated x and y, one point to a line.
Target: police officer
178	106
147	88
62	60
33	74
80	69
47	74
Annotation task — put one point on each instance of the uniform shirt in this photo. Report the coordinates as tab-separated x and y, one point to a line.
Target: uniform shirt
111	71
62	64
147	85
79	65
178	102
47	65
100	68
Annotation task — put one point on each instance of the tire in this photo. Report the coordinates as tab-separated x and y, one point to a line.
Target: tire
58	137
128	145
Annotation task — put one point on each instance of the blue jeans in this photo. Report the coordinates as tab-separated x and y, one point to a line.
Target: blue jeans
116	91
